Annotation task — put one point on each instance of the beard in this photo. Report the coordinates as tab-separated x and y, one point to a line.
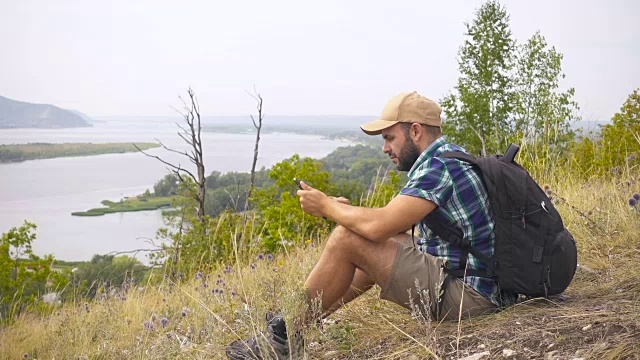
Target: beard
409	153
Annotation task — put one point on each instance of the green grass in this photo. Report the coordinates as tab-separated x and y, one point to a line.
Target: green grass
131	204
23	152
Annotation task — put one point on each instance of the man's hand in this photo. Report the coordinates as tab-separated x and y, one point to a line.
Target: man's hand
313	201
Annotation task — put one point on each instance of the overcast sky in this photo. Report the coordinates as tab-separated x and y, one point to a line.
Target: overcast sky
330	57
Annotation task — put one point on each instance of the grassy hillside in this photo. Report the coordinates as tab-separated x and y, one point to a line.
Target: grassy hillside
194	318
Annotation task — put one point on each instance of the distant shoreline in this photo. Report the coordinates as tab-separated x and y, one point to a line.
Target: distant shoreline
33	151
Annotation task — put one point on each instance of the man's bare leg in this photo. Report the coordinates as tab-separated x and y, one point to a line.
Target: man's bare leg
345	252
360	284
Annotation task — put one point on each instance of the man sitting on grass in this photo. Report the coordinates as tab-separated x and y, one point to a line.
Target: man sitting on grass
372	246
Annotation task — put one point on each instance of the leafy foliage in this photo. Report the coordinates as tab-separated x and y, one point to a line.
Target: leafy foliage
543	115
509	93
24	276
617	149
282	220
621	140
105	272
167	186
478	112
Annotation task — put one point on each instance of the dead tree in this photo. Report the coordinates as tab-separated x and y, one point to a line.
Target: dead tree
191	135
258	126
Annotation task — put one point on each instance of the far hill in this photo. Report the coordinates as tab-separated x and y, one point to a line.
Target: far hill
18	114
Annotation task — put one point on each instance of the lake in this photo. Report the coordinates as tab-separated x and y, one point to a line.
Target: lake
46	192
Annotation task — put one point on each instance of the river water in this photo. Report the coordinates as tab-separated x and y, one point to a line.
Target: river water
46	192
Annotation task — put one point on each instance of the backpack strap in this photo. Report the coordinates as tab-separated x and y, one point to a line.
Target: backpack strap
459	155
454	236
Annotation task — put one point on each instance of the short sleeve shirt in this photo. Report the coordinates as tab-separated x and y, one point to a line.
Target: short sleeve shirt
457	188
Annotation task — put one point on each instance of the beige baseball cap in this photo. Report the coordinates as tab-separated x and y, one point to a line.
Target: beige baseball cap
408	107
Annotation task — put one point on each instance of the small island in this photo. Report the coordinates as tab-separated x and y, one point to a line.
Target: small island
136	203
33	151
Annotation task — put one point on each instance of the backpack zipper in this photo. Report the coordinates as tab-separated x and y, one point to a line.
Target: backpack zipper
522	214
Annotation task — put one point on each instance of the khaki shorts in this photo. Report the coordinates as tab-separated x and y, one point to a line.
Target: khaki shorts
415	272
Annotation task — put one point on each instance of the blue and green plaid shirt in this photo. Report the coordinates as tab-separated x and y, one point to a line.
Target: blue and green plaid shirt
457	188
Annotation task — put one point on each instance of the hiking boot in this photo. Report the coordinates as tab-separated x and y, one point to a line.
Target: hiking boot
272	345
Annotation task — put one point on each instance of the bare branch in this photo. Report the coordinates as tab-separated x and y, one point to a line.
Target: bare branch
132	251
178	111
149	241
258	125
172	150
255	94
185	139
183	129
184	106
176	168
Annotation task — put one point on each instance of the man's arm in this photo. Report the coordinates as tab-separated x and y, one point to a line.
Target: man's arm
377	224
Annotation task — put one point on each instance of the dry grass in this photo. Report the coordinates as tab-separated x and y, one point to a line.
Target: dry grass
598	318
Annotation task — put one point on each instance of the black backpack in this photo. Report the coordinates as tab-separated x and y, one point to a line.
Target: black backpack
535	255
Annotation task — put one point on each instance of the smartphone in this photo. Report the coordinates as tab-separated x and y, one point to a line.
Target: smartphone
300	187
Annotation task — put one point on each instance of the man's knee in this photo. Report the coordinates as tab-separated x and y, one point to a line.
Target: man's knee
341	239
341	231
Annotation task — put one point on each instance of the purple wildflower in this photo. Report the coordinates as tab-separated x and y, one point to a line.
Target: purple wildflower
220	291
181	275
206	285
26	356
233	293
164	321
199	275
261	257
633	202
148	325
254	266
636	196
166	276
270	257
227	270
215	291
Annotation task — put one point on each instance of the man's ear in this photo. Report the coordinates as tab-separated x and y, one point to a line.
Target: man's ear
417	132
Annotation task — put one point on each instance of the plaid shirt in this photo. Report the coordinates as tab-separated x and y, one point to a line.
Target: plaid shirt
461	197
